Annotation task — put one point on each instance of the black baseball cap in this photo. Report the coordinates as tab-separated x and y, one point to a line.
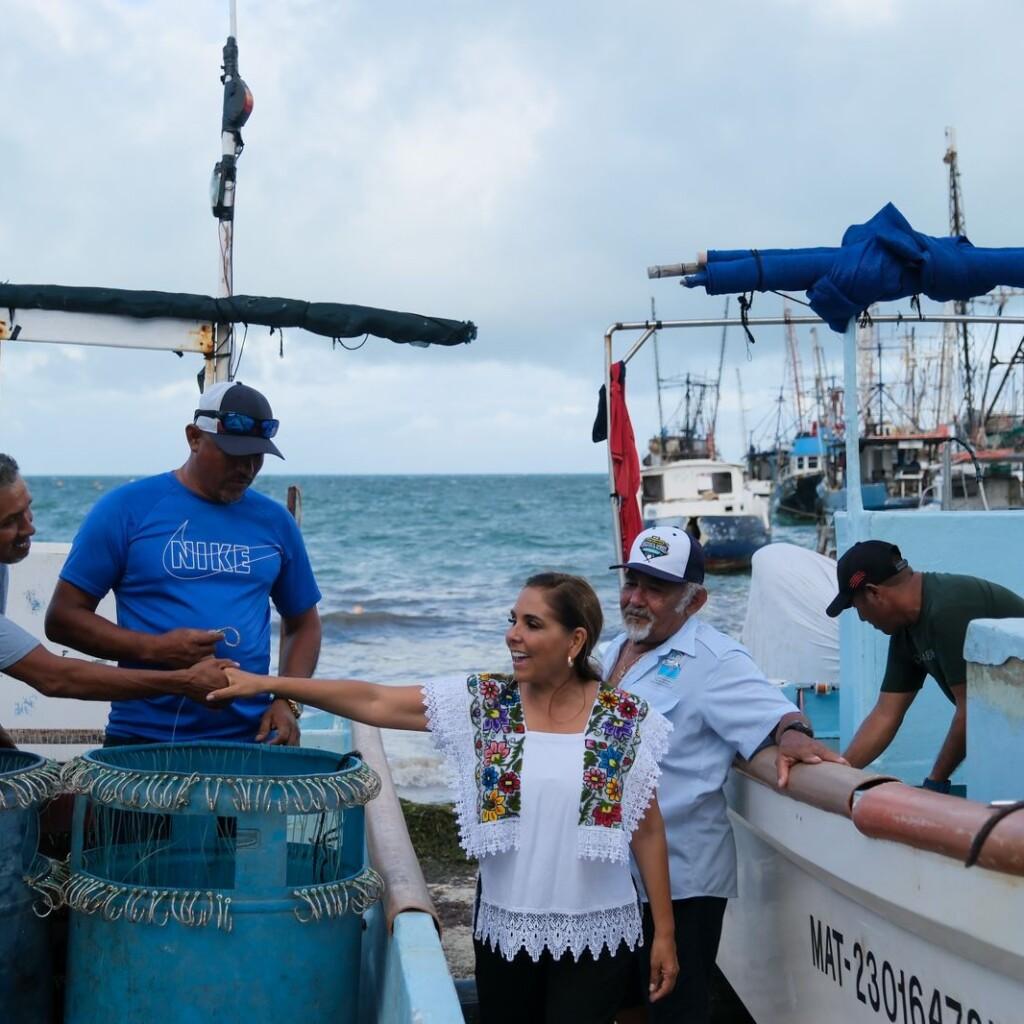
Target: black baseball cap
249	436
868	561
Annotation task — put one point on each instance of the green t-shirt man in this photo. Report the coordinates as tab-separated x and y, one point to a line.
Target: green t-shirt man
925	615
934	645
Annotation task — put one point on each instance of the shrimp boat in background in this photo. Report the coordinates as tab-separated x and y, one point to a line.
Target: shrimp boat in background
684	483
863	898
401	968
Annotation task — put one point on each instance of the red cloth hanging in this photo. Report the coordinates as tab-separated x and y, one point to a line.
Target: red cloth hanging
625	461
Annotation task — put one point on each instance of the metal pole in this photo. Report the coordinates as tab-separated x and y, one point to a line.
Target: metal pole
947	477
657	386
612	496
854	499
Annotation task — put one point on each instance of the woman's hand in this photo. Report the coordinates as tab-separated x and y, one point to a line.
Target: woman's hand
664	966
242	684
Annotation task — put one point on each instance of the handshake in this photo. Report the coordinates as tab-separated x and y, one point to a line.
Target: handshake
191	654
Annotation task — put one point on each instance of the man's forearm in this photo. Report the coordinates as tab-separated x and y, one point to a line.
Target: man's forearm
954	747
300	645
85	680
92	634
872	738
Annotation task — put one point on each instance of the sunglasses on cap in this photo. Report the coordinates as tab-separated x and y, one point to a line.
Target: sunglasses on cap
239	423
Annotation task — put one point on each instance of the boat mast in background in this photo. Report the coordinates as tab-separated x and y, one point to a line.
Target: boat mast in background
237	107
958	226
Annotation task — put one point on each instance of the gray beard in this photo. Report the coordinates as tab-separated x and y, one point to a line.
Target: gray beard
638	631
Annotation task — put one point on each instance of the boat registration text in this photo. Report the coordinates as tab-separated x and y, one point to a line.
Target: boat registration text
878	983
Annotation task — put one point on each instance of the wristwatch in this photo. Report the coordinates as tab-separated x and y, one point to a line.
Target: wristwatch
797	727
293	705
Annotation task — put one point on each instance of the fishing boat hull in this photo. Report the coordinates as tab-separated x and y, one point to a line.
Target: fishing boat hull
712	501
832	925
730	542
795	498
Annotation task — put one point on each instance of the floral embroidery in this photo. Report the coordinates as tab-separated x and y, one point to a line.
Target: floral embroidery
607	813
496	752
493	806
485	763
497	718
610	744
609	750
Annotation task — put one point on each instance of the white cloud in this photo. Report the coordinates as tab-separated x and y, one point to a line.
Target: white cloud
520	166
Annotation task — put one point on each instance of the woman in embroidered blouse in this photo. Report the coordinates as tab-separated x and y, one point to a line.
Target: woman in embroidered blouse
554	775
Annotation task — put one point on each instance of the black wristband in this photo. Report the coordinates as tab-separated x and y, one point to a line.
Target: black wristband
797	727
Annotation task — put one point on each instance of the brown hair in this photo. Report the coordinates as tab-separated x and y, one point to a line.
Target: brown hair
575	606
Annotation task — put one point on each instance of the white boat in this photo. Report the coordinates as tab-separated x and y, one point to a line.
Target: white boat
712	500
855	902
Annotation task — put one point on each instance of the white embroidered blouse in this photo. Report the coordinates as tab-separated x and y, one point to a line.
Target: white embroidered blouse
542	885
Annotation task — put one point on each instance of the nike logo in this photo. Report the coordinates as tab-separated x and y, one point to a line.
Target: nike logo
186	559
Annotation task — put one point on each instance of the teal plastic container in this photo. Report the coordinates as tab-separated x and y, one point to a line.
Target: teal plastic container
26	982
217	881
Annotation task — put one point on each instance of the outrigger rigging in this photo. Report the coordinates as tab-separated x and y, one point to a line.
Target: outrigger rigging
179	322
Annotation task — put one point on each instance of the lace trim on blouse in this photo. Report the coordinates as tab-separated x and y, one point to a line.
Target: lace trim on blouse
509	931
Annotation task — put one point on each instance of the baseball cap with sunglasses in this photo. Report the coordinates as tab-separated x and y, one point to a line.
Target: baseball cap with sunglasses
238	418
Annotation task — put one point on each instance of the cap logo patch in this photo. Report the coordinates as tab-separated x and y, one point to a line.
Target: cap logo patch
857	579
653	547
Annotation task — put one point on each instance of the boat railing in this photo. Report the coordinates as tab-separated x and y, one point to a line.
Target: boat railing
387	837
882	807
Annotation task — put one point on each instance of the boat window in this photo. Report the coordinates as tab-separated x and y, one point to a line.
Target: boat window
654	488
812	462
721	483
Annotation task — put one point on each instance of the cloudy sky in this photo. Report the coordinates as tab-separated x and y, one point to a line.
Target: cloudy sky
515	164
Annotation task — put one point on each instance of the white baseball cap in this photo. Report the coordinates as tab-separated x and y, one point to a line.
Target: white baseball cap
667	553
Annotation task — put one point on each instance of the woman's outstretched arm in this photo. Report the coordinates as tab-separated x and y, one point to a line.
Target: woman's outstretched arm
390	707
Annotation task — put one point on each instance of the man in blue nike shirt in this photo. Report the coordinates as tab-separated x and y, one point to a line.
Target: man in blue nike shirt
195	558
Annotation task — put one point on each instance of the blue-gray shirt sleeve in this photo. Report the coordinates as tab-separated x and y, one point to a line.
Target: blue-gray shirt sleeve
15	642
741	705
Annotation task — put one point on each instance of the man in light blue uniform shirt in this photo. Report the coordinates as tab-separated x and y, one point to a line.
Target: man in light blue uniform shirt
720	705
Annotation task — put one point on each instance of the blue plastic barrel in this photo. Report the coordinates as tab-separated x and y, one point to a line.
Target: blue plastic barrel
26	982
217	881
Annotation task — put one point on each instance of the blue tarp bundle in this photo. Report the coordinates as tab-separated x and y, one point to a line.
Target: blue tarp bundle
879	261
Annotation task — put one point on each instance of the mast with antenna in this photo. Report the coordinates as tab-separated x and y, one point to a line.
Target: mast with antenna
748	443
794	358
236	110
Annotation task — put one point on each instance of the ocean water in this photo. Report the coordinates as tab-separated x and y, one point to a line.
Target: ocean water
418	572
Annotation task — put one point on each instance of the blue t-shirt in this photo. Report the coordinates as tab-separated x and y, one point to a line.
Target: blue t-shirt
175	560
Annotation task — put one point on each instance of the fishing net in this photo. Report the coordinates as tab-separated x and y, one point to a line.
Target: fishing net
186	832
27	781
